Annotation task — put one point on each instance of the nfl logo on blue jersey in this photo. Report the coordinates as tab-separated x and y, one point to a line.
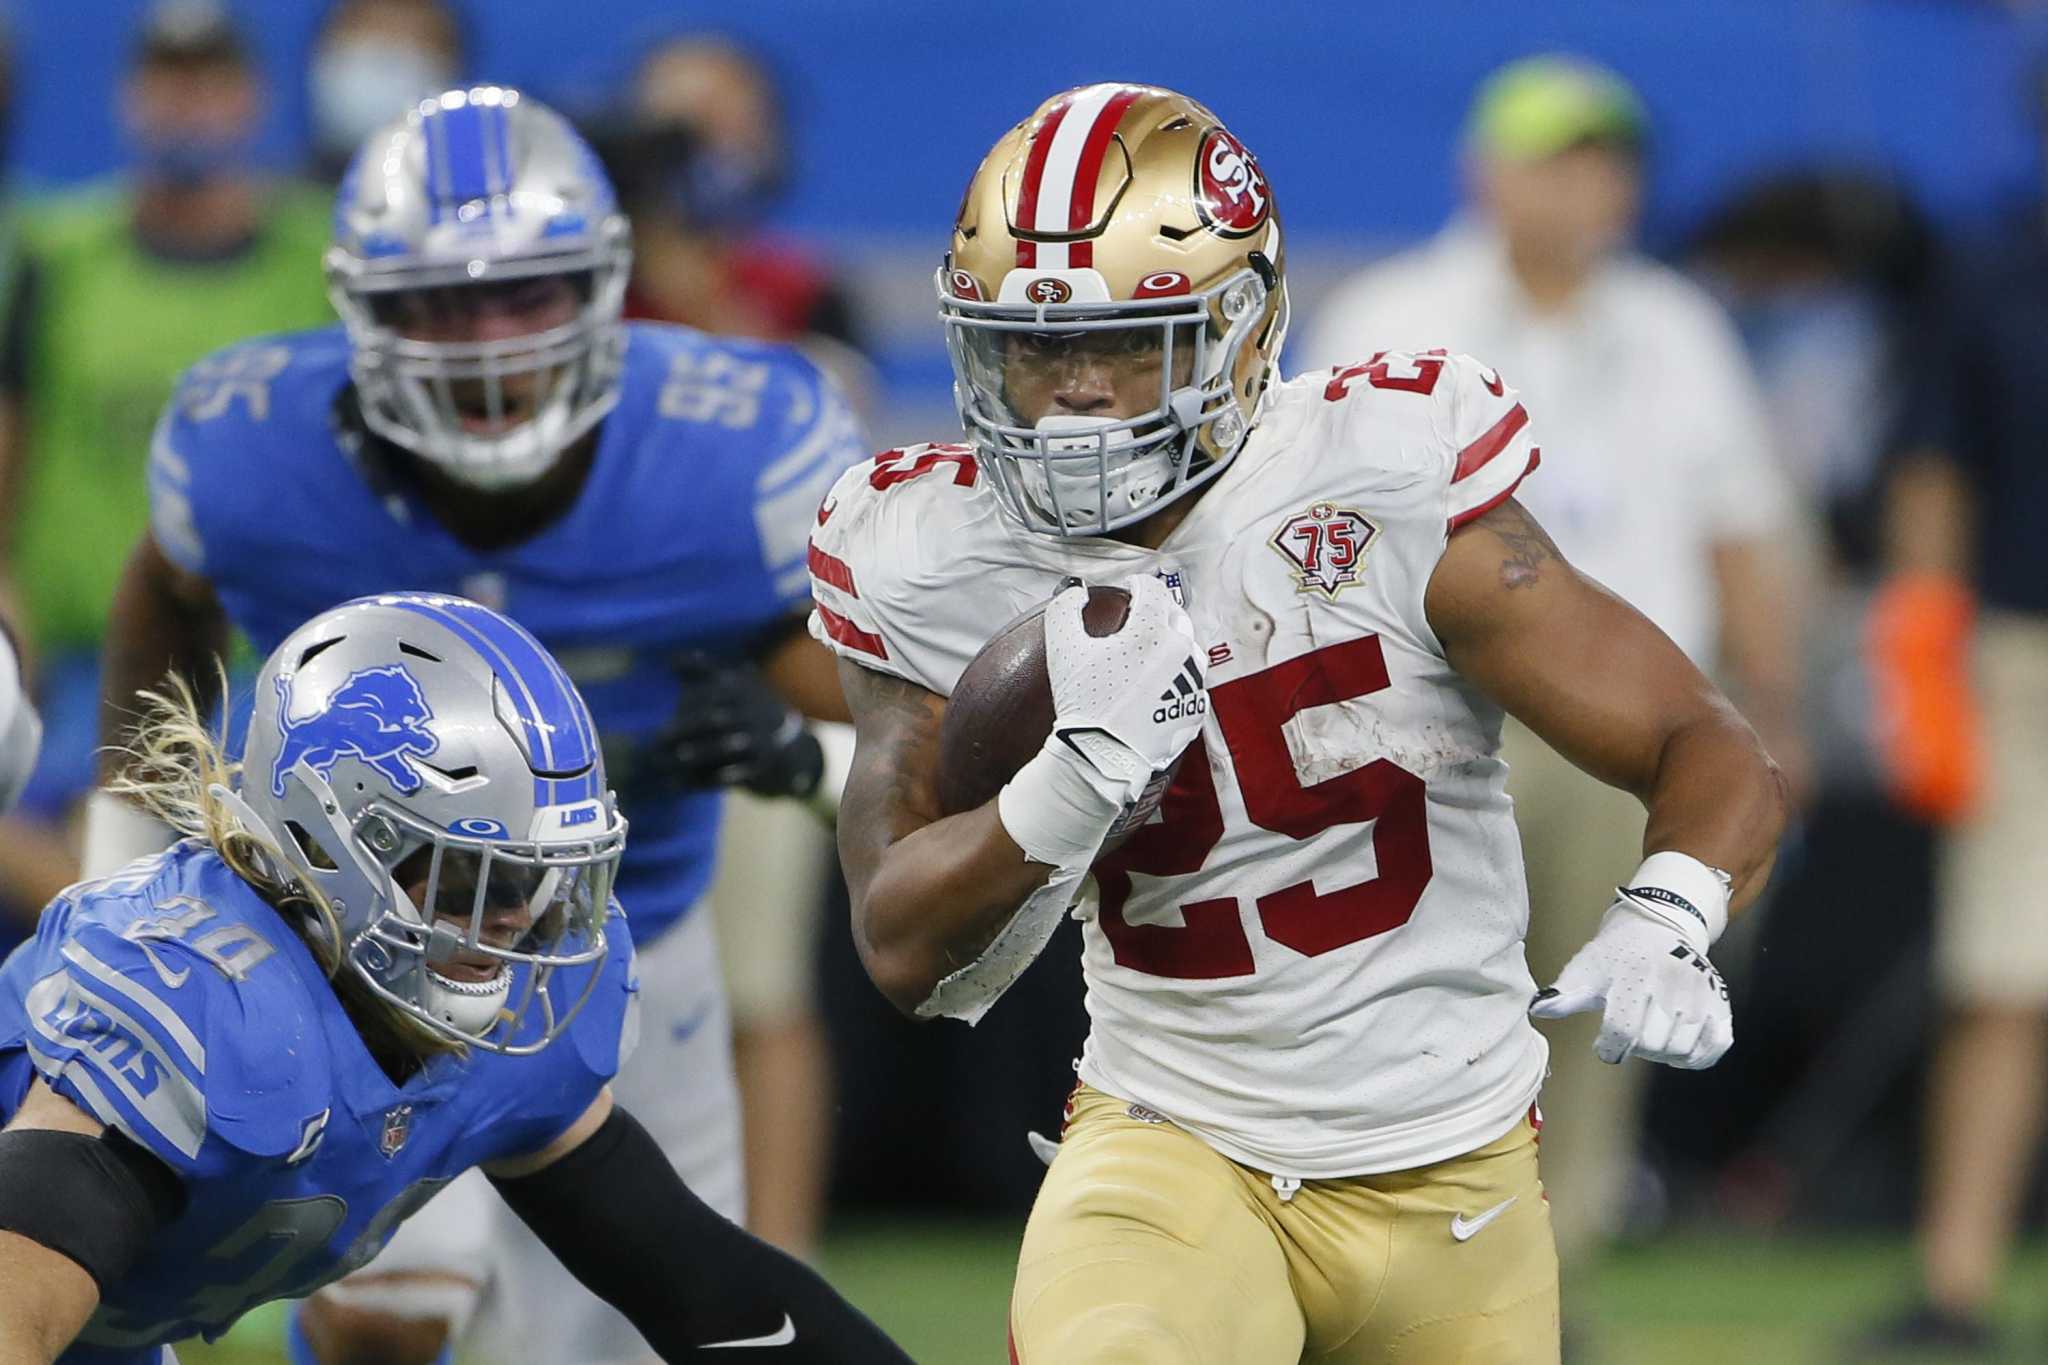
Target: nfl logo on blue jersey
397	1128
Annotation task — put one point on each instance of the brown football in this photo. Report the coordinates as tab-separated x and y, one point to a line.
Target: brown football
1001	709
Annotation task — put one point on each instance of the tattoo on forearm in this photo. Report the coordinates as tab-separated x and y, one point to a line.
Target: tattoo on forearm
1528	546
901	719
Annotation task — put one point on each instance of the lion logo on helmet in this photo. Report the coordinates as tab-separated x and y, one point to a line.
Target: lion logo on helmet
377	715
1230	189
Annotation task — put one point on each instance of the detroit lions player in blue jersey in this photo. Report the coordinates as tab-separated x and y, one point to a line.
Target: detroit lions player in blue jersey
387	955
638	496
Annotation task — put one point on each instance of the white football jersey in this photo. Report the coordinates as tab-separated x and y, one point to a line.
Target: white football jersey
1312	956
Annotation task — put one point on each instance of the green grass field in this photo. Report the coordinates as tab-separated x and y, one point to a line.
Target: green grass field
1735	1300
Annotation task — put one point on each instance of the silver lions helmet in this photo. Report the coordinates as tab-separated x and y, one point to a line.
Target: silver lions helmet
479	262
426	767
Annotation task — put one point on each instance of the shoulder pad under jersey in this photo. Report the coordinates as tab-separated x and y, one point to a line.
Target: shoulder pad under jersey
1456	424
161	1004
892	563
234	416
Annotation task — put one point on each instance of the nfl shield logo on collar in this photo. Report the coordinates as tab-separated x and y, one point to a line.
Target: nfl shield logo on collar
397	1128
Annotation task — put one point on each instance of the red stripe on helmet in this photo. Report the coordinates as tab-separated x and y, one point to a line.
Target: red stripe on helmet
1081	203
1034	172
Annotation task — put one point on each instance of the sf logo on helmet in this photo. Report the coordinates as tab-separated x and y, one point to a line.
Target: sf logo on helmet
1230	189
1049	290
376	715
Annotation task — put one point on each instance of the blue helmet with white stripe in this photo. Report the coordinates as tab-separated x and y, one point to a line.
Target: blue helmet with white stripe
479	262
424	767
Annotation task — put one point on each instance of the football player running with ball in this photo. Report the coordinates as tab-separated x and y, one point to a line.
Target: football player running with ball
386	955
1305	1127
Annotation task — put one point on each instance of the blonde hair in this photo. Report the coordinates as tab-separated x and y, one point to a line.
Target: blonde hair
179	771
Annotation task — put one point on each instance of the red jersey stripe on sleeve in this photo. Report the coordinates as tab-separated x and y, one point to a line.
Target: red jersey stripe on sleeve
1473	457
1474	513
830	569
849	634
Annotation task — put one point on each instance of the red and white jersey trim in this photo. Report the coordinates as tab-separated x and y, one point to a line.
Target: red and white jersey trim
836	602
1060	173
1491	466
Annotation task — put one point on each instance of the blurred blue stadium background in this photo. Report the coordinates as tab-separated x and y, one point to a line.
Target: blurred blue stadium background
1353	109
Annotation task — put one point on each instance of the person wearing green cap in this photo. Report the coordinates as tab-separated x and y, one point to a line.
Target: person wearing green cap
1659	481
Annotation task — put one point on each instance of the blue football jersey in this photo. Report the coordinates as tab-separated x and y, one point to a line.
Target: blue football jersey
173	1003
690	534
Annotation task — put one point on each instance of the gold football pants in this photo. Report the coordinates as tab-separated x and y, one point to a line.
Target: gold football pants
1148	1247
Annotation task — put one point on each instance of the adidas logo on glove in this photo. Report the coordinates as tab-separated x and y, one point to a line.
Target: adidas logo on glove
1184	698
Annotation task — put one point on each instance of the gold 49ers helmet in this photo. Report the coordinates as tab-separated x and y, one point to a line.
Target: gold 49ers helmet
1114	306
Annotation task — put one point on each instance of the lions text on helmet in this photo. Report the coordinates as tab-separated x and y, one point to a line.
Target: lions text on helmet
1095	386
422	768
480	264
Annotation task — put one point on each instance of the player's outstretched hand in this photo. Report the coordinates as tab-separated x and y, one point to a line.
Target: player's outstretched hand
1659	997
1130	701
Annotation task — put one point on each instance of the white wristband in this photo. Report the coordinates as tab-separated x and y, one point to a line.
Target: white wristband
1684	892
1057	808
117	832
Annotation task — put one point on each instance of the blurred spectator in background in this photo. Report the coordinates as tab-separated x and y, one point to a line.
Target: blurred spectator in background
698	160
1822	271
1960	649
30	867
706	157
1658	480
373	60
192	248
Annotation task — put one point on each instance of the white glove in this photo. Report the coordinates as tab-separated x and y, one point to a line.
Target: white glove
1124	707
1646	969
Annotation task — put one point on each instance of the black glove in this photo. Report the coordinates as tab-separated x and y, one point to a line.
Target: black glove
730	730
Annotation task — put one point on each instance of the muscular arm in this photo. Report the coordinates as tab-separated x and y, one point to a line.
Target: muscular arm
929	892
608	1204
163	620
1605	688
45	1296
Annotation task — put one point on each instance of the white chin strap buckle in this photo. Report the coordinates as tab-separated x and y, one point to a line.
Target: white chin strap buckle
1072	434
1129	476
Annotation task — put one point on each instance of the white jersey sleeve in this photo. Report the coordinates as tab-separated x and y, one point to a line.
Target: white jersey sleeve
1480	428
891	560
1487	439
